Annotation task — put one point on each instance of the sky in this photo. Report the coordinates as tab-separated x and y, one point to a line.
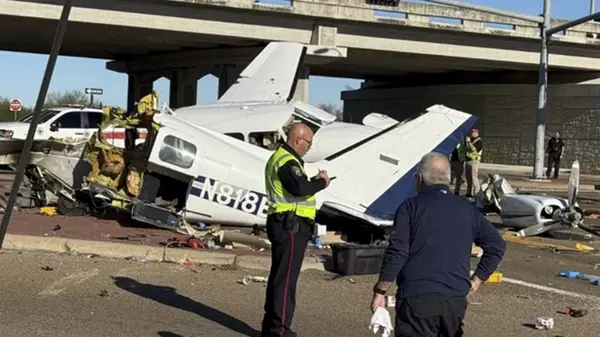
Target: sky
21	73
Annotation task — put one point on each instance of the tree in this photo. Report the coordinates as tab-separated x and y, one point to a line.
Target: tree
332	109
58	99
53	99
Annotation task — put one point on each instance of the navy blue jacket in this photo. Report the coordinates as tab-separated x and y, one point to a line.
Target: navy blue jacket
430	245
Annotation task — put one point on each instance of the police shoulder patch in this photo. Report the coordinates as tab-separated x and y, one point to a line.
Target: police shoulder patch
297	171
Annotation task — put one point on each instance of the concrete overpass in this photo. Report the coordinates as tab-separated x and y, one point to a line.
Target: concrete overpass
405	47
348	38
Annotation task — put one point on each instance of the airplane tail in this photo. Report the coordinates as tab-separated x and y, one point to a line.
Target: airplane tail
376	174
270	77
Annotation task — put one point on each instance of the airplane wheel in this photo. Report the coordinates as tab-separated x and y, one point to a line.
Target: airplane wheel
67	207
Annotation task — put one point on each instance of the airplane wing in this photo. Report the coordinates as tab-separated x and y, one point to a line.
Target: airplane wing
375	175
270	77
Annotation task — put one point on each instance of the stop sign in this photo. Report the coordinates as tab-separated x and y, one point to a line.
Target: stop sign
15	105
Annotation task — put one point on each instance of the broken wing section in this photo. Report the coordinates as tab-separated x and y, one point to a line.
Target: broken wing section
376	175
270	77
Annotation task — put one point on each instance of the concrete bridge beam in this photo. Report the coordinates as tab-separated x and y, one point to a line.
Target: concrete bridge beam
138	86
478	77
228	74
183	90
301	92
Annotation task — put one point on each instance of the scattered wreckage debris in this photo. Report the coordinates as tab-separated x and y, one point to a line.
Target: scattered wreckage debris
533	214
49	211
544	323
241	240
217	238
575	312
247	279
593	279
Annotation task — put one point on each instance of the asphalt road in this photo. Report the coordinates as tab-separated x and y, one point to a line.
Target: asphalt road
101	297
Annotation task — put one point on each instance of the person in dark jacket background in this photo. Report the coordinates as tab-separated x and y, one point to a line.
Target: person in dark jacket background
555	152
429	255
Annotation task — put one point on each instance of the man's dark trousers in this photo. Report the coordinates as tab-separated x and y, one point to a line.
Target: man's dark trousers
553	161
287	254
430	316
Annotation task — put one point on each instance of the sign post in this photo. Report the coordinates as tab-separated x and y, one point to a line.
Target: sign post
16	106
92	92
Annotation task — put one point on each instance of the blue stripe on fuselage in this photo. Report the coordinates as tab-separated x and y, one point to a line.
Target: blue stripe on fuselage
386	205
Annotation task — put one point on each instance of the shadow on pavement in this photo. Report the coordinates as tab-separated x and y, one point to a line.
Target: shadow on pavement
168	334
169	296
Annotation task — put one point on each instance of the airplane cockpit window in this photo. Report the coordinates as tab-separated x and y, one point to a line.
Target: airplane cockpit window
177	152
266	140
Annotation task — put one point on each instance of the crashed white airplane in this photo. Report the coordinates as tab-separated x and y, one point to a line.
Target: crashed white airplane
213	156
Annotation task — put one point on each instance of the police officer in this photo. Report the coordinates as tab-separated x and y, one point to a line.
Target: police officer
474	150
290	219
457	163
555	151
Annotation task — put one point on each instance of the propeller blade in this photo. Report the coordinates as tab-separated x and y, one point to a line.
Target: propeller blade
573	183
540	228
589	229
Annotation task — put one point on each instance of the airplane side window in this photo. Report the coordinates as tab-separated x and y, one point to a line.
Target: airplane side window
266	140
177	151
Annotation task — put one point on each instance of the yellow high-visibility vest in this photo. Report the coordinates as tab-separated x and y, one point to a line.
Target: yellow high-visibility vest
475	155
279	199
460	148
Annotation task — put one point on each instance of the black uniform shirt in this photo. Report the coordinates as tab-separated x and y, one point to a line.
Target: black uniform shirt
293	178
555	146
454	155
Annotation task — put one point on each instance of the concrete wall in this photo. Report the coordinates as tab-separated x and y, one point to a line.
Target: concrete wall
507	116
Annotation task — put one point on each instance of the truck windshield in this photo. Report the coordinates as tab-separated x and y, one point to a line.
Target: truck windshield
45	116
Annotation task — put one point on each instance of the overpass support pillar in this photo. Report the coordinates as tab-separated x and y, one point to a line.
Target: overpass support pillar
138	86
184	88
301	92
228	75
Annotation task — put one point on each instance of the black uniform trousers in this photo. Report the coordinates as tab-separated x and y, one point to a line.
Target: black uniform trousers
553	161
287	254
430	316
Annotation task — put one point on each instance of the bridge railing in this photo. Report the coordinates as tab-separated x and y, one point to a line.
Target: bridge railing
422	15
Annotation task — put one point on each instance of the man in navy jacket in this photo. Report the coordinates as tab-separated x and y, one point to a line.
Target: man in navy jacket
429	255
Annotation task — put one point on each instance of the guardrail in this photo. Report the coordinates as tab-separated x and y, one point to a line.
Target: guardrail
415	15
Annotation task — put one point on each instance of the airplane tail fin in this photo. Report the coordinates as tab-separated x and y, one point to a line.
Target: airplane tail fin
270	77
376	174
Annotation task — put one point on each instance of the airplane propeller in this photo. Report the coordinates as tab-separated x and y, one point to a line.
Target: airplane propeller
571	215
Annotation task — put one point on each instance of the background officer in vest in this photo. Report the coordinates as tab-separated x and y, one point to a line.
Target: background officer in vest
290	222
474	149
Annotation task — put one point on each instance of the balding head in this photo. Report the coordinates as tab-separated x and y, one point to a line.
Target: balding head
299	138
434	168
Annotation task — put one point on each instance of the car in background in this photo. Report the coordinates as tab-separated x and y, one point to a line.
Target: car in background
70	123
